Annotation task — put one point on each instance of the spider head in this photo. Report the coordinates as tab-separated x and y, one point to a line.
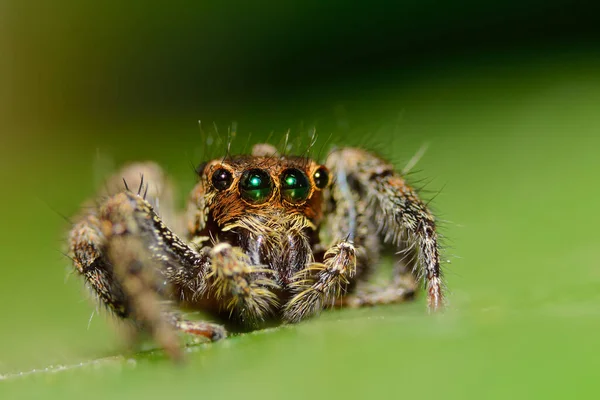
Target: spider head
265	186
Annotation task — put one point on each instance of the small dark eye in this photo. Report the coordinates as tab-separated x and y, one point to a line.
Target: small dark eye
221	179
256	186
321	177
294	185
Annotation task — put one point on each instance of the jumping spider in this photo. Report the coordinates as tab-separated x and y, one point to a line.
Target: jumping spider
268	237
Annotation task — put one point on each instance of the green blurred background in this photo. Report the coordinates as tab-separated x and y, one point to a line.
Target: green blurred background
507	95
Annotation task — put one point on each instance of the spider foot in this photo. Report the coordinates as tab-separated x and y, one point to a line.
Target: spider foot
206	330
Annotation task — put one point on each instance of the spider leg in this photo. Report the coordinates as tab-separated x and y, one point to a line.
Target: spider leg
132	261
321	284
400	290
205	329
401	217
402	286
351	217
239	285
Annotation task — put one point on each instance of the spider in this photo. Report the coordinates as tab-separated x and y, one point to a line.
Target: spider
269	237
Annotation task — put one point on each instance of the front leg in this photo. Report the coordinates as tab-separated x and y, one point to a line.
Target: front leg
401	216
322	284
238	285
131	260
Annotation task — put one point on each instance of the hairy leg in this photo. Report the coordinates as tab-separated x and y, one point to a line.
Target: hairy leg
401	287
132	261
321	284
398	291
402	218
240	287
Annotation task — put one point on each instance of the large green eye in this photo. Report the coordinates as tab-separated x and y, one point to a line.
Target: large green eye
294	185
256	186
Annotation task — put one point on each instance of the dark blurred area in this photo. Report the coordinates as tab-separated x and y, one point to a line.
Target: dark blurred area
69	61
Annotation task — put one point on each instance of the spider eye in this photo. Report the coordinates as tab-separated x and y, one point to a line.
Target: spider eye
294	185
256	186
321	177
221	179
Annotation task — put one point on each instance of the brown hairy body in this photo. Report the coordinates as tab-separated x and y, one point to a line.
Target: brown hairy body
267	238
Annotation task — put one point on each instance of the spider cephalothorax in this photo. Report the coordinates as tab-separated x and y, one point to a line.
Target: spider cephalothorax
269	206
268	237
